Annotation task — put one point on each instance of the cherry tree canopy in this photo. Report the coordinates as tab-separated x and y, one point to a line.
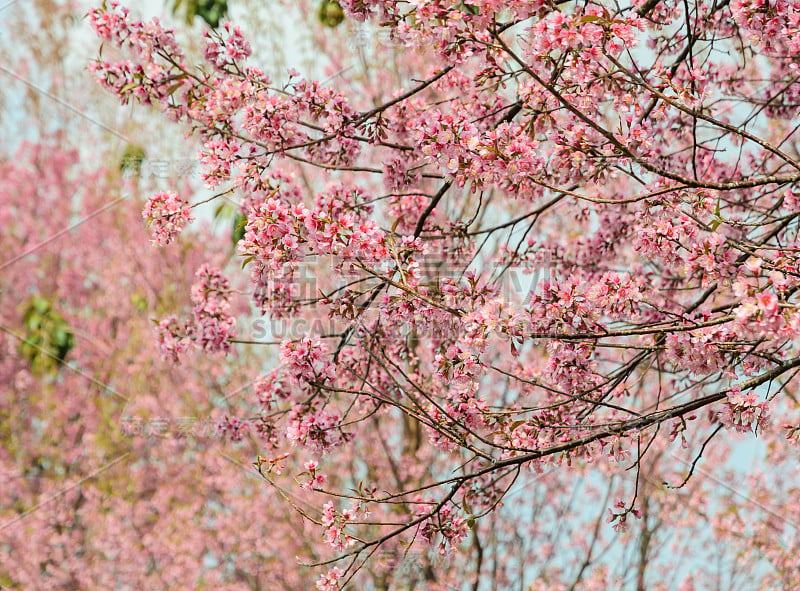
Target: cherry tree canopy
540	236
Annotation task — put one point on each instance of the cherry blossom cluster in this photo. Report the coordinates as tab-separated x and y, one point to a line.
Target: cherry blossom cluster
768	22
306	362
226	47
316	479
214	326
585	35
166	214
446	526
303	379
113	23
315	428
268	389
335	523
151	43
278	237
743	412
233	429
173	339
619	515
330	580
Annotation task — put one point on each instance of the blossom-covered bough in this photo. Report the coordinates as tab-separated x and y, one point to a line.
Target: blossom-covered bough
639	161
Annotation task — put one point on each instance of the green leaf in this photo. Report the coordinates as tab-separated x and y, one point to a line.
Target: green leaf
330	13
132	159
239	224
139	302
171	90
717	217
221	209
48	337
211	11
